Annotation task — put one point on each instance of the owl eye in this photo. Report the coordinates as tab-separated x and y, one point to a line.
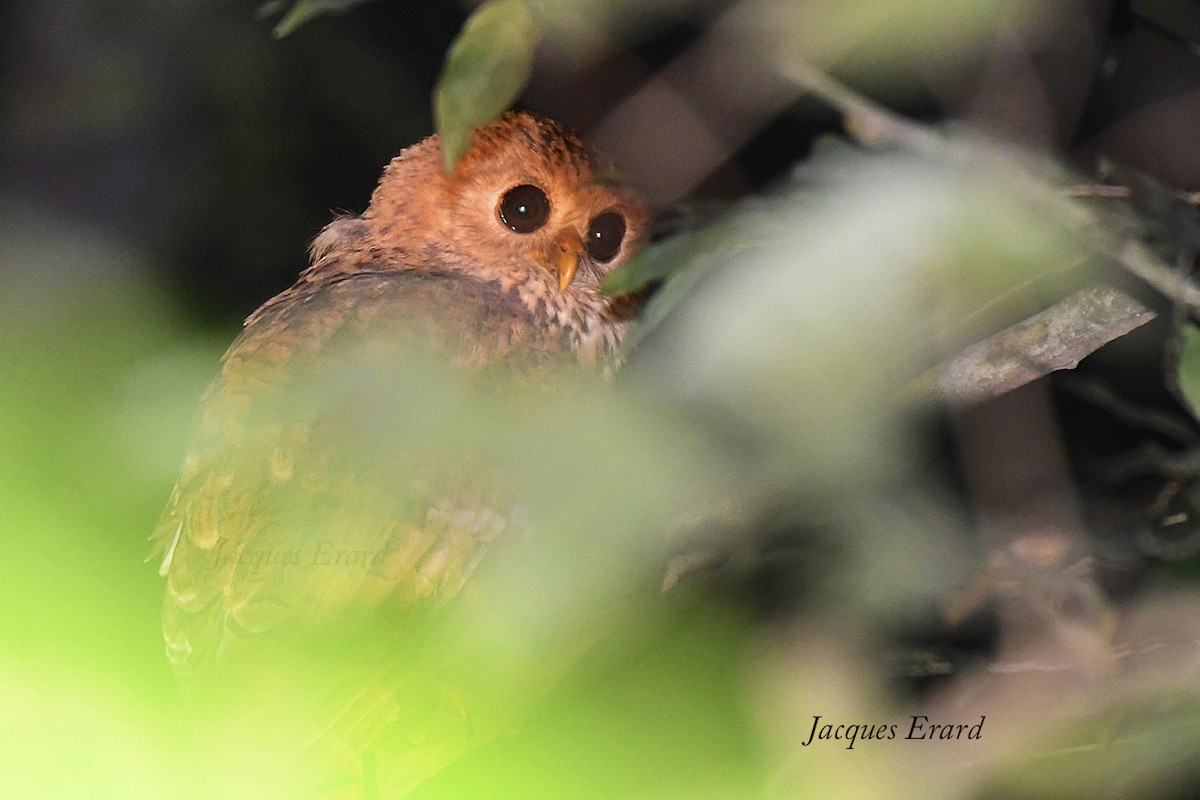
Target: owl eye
604	236
524	208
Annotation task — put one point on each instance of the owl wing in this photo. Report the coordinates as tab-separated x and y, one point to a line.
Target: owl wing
299	503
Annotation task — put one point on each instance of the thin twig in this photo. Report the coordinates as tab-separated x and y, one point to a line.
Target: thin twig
867	121
1097	190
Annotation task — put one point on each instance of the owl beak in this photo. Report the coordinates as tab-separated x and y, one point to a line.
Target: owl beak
568	249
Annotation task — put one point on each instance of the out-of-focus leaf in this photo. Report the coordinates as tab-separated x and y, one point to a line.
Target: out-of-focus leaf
680	262
303	11
656	710
883	39
60	740
1145	749
812	679
675	287
486	68
395	425
676	263
82	475
655	263
878	267
1187	369
595	531
1133	734
100	386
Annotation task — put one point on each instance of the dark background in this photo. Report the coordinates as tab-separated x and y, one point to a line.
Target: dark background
217	151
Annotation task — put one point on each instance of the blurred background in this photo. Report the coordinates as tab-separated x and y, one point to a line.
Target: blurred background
211	147
163	167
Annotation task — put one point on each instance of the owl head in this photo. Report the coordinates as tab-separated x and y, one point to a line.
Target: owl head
526	202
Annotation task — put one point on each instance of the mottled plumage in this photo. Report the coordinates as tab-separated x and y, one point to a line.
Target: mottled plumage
287	472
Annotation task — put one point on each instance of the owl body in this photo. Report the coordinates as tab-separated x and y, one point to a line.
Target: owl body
294	507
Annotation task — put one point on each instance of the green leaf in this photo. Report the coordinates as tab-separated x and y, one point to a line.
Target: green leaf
678	263
486	69
1186	378
655	263
303	11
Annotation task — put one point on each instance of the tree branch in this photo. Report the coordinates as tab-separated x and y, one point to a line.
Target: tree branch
1057	338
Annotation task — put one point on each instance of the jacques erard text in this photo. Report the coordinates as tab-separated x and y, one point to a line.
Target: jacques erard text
919	727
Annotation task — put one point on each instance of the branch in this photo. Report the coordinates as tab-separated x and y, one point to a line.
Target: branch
1057	338
865	120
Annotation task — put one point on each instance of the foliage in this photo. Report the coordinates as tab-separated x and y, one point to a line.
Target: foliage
486	69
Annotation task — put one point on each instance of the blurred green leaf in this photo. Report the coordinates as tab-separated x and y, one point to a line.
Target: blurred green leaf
391	426
656	710
303	11
887	41
819	303
92	439
486	68
655	263
682	261
1145	746
1187	369
99	391
60	739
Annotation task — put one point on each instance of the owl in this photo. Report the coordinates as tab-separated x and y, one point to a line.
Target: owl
288	508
